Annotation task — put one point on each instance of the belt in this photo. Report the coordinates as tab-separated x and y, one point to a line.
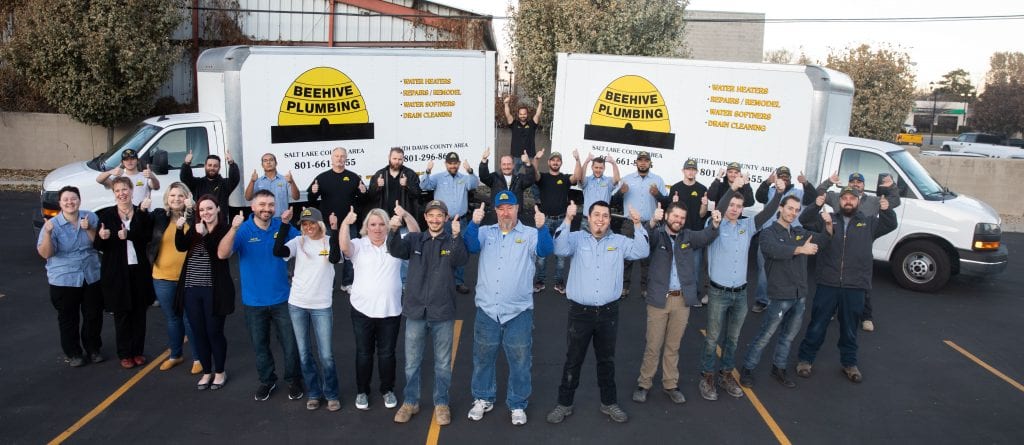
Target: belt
728	289
674	293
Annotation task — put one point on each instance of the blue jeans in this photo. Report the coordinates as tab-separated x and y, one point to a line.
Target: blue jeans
726	312
321	382
516	338
552	224
847	304
784	316
761	293
460	271
177	325
415	340
260	320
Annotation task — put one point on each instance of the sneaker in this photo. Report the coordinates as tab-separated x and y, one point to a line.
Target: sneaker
560	288
758	307
362	402
519	417
537	287
781	377
675	395
462	289
96	357
728	383
480	406
333	405
390	401
313	404
707	386
747	377
559	414
406	412
852	373
803	369
615	412
295	391
264	390
76	361
640	395
442	415
867	326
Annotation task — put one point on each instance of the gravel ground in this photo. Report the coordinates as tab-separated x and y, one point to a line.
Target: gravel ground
22	180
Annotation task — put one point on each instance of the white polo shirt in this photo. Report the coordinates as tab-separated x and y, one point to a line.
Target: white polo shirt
377	285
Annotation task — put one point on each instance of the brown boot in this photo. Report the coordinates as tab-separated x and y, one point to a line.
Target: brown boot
442	415
405	412
707	386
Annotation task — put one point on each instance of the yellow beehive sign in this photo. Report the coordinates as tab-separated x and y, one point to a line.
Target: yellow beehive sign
322	104
631	110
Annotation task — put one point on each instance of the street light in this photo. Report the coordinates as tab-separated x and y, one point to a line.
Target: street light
511	78
966	98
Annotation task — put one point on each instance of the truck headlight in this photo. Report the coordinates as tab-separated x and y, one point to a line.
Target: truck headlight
986	236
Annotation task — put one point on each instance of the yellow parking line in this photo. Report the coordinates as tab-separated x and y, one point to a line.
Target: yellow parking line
110	399
758	406
435	429
977	360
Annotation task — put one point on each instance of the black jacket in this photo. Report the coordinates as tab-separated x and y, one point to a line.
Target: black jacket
762	192
786	271
377	197
430	287
496	181
220	186
223	285
718	188
122	290
848	261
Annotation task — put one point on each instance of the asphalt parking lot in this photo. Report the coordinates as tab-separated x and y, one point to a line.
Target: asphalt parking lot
917	387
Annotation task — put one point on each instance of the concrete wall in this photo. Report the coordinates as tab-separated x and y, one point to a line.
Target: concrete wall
47	141
988	179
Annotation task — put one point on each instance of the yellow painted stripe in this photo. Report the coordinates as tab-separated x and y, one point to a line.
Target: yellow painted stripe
110	399
435	429
758	406
981	363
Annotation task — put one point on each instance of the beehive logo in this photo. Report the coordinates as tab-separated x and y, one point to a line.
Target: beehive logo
632	111
323	104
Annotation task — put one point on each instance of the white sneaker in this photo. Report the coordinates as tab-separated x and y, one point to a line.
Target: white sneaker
480	407
518	417
390	401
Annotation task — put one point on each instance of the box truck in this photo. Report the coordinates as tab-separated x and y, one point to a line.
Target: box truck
299	103
765	116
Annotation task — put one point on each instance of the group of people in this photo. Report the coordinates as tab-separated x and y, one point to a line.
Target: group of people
369	237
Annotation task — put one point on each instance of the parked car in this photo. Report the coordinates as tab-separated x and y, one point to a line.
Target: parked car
907	128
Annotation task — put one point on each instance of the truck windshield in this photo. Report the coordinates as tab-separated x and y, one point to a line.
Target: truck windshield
917	175
135	140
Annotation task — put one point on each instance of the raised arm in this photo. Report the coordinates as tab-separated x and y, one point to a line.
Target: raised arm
615	170
540	105
508	113
280	249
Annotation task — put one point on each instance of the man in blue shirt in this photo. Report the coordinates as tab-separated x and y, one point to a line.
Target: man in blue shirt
283	187
597	186
504	302
641	191
595	283
452	187
265	290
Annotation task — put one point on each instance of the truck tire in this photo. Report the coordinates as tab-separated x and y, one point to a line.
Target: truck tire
945	148
921	266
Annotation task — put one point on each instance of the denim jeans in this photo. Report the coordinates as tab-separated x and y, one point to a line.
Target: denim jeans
515	336
784	316
177	325
378	335
552	224
261	320
79	307
211	347
322	382
586	323
415	340
726	312
847	304
761	293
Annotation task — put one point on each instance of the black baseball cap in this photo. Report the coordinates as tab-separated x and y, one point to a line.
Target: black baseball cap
451	157
129	154
690	163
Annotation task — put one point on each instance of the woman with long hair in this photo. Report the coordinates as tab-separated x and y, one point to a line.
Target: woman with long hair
205	289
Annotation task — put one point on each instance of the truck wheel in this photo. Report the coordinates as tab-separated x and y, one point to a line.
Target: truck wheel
945	148
921	266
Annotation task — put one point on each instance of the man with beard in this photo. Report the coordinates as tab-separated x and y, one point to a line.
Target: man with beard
694	197
452	187
524	131
283	187
869	206
338	190
843	276
504	302
395	183
265	290
507	180
213	183
641	191
732	173
554	198
597	186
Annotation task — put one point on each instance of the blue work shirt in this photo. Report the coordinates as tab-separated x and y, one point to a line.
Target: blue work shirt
74	260
264	276
673	277
596	189
595	276
504	285
279	187
727	256
639	194
452	190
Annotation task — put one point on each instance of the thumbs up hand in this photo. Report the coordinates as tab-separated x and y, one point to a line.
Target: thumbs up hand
104	232
117	171
237	221
538	217
180	222
123	233
659	213
883	203
570	212
380	180
147	173
634	216
399	210
478	214
315	188
716	218
653	189
820	200
83	223
403	180
333	220
675	197
254	176
808	248
188	157
286	215
350	218
704	199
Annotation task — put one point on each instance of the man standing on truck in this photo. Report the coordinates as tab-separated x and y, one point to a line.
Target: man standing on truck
693	196
869	206
524	131
213	183
554	198
641	191
338	190
142	181
283	188
804	191
452	187
732	173
843	276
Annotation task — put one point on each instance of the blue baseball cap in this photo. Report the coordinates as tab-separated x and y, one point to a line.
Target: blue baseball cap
505	197
856	177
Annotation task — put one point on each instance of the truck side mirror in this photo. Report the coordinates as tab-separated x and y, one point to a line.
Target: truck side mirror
159	164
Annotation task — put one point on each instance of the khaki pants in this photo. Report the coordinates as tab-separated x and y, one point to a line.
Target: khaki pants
664	333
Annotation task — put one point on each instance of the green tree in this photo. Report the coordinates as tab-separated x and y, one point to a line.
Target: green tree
955	85
1000	108
539	29
884	89
99	61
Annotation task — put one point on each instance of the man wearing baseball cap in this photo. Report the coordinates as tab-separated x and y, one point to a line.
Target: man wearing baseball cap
143	182
731	177
641	190
452	187
554	198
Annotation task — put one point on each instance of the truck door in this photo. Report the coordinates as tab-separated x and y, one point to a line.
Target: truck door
166	154
872	165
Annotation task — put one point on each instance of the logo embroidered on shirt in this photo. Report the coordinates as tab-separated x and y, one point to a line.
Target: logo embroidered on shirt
138	183
254	239
799	237
860	224
559	182
693	193
684	245
612	248
345	178
445	252
324	253
519	240
742	231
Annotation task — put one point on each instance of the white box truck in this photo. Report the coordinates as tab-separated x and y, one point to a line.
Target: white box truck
299	103
764	116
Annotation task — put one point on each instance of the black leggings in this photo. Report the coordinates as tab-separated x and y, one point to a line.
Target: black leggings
207	328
